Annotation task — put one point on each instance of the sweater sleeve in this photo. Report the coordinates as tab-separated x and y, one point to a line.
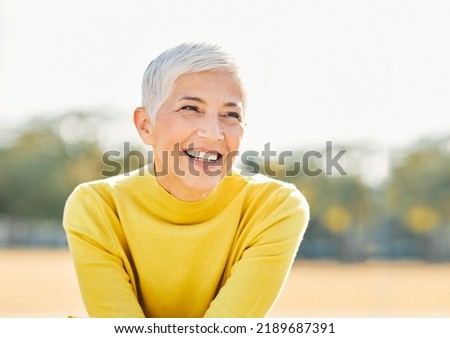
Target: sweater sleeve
257	278
104	274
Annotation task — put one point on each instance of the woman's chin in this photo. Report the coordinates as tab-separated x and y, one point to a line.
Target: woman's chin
192	180
199	186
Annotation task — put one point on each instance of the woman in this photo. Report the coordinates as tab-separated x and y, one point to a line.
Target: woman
191	236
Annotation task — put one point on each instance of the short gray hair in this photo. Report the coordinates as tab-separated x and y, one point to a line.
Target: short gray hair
163	71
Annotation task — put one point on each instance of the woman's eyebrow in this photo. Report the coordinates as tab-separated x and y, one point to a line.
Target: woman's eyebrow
192	98
231	104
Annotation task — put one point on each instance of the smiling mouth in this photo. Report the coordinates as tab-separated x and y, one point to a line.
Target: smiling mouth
208	156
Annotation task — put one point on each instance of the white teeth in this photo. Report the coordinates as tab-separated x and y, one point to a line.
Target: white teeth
211	157
202	155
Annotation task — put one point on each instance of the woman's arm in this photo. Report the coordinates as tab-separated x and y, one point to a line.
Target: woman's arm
258	276
99	253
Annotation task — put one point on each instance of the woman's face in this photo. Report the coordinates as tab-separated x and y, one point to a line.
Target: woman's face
197	133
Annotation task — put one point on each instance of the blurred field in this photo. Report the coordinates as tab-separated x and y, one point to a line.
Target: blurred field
42	283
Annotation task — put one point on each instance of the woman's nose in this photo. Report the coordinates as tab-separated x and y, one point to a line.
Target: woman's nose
211	128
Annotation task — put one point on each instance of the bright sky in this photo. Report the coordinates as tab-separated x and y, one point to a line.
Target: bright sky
363	72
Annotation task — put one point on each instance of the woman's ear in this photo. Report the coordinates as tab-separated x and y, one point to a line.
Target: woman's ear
143	125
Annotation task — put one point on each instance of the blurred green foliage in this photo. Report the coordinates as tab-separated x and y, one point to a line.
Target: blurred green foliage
39	169
407	215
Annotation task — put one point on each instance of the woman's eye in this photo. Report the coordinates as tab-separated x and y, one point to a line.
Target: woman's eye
190	108
237	116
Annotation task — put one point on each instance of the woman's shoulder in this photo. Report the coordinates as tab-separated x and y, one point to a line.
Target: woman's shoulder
259	184
268	199
106	187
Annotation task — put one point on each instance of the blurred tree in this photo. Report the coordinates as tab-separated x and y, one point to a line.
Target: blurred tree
40	168
422	219
344	205
419	193
338	219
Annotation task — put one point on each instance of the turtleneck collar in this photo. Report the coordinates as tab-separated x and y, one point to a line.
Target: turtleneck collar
161	202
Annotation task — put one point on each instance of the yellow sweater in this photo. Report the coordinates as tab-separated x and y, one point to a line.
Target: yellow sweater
140	252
